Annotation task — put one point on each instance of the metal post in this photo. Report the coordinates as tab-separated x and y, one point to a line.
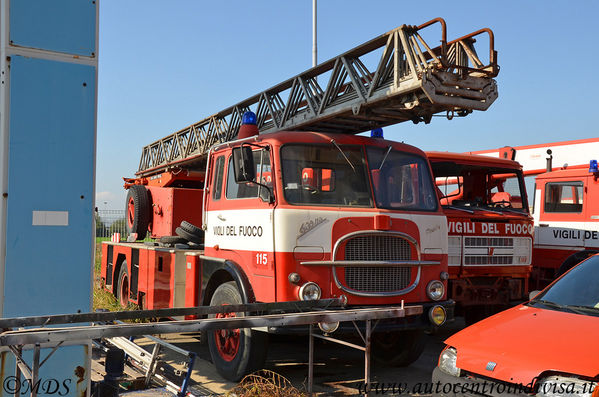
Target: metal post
152	366
19	351
314	47
190	364
311	359
367	356
35	370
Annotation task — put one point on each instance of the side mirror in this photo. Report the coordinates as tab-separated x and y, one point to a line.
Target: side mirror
532	294
243	164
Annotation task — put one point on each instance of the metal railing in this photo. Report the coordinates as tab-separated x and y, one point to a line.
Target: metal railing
109	222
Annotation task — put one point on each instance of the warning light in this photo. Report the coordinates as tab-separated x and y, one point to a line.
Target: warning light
593	166
376	133
248	118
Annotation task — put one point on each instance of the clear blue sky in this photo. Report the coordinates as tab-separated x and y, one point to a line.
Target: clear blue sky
167	64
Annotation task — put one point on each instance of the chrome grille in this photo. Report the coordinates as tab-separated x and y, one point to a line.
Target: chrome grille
377	248
488	250
378	278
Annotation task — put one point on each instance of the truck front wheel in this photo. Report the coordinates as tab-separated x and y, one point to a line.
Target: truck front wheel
398	349
235	352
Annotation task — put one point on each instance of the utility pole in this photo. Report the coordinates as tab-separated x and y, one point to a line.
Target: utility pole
314	47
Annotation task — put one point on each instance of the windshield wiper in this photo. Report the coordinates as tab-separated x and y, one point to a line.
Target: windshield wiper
554	305
584	309
460	209
344	156
385	157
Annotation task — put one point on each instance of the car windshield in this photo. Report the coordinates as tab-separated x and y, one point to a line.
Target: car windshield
472	186
401	180
325	175
577	290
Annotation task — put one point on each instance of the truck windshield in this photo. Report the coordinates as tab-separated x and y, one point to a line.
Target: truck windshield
461	185
325	175
401	180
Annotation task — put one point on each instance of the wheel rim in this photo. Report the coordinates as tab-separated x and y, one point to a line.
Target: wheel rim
130	212
227	340
124	295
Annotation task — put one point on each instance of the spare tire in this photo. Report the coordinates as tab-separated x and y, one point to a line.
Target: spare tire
137	211
172	240
189	236
193	229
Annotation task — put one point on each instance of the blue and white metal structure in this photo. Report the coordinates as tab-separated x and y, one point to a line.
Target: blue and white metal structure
48	101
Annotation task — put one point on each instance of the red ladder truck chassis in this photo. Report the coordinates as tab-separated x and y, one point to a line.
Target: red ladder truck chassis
490	230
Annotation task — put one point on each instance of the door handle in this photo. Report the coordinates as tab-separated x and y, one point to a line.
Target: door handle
220	217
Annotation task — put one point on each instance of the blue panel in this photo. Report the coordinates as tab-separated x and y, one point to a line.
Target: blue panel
59	25
51	167
62	375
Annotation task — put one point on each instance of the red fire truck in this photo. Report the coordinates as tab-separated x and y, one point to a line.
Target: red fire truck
286	203
490	230
565	214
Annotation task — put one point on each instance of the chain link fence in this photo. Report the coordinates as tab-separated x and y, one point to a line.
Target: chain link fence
109	222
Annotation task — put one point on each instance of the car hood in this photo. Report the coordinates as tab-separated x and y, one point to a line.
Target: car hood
526	341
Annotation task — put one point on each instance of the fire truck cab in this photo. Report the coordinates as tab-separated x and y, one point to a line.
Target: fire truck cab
300	216
490	230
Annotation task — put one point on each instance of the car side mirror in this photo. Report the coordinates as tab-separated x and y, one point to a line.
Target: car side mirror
532	294
243	164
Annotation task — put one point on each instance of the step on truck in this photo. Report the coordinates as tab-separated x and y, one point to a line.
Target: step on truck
490	231
277	199
563	176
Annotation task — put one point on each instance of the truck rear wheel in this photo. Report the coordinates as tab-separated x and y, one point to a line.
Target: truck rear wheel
122	286
398	349
235	352
137	211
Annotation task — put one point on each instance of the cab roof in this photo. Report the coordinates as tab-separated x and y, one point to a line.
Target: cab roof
472	159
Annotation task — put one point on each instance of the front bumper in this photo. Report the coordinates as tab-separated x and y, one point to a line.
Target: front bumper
445	385
416	322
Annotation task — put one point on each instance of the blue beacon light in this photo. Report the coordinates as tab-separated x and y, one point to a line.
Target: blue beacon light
376	133
593	166
248	118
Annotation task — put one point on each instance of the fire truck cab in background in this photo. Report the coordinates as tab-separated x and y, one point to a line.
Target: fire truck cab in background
490	230
563	177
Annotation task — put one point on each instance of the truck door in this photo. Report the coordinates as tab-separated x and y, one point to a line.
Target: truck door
240	221
562	219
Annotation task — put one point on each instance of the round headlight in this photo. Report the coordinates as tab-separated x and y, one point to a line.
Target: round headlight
310	291
437	315
447	361
328	328
435	290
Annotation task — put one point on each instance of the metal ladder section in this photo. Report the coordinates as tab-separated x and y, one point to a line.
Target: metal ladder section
149	362
393	78
20	340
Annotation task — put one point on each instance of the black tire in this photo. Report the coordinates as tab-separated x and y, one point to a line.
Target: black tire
137	211
573	260
123	286
189	236
193	229
250	352
172	240
398	349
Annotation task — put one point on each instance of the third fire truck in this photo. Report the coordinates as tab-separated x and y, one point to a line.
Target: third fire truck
564	179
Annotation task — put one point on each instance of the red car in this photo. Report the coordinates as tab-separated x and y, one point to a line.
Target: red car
548	346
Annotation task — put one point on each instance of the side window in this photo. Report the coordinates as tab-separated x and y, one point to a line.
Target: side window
250	190
563	197
217	183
